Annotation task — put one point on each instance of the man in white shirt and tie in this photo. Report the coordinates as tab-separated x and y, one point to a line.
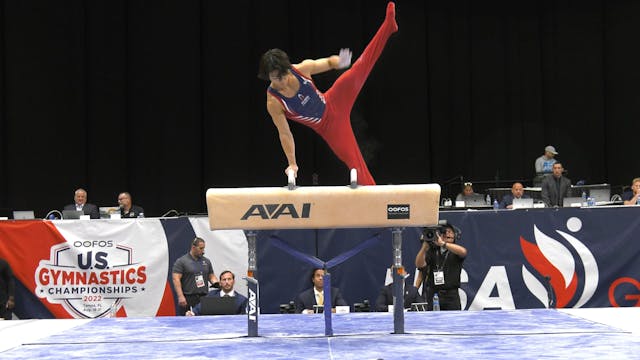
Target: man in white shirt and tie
306	300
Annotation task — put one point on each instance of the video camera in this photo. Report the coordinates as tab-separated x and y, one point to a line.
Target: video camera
430	233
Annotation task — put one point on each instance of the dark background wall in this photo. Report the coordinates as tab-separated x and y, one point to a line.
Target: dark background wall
160	98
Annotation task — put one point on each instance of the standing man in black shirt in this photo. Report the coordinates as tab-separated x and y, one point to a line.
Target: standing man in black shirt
555	187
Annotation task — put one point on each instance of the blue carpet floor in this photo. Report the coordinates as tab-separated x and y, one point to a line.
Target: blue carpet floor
521	334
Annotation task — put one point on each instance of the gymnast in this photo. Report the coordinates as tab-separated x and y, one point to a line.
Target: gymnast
293	95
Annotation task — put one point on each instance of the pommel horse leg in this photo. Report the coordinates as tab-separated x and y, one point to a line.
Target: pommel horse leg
327	305
252	286
398	282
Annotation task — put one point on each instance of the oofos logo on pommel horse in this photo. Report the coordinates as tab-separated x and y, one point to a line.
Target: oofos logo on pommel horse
274	211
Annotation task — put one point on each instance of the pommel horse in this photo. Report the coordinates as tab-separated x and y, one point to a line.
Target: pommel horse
324	207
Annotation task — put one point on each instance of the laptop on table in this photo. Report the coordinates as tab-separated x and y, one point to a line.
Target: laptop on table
600	195
522	203
216	305
572	202
23	215
475	201
107	211
72	214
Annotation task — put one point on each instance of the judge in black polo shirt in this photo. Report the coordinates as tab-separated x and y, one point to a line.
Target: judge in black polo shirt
127	209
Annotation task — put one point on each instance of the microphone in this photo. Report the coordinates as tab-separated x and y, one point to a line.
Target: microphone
172	211
53	215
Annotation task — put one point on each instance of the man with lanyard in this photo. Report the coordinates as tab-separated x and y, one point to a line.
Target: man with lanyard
440	263
192	274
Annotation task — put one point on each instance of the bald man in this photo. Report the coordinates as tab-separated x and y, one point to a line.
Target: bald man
517	192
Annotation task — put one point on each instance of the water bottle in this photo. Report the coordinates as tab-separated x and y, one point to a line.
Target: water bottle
496	204
436	302
591	201
584	198
488	199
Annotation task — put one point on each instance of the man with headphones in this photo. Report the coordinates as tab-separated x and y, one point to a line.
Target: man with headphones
440	261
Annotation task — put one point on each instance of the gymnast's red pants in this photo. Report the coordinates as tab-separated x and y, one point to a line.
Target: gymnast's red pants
335	127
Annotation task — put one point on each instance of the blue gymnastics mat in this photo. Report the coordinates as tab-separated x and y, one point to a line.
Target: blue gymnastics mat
499	334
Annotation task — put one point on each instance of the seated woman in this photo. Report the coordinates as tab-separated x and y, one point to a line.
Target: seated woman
471	198
467	190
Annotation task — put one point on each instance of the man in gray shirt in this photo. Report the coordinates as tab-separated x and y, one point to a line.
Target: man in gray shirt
192	274
544	165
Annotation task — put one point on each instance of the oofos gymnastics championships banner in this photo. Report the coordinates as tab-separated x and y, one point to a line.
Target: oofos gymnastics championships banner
95	268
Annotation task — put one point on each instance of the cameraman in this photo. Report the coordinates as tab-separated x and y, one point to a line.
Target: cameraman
440	262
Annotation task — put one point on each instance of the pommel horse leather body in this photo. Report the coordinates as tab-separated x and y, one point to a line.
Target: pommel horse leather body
323	207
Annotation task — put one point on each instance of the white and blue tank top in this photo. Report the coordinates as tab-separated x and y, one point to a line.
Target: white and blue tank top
307	105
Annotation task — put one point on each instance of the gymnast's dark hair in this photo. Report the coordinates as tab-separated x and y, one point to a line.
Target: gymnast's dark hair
273	60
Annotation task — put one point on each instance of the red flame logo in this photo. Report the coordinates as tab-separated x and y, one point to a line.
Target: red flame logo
564	292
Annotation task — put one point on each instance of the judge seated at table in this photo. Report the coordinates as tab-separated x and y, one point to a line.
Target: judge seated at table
517	192
306	300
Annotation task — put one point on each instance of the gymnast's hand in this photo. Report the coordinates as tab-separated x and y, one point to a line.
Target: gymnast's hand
344	58
293	168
